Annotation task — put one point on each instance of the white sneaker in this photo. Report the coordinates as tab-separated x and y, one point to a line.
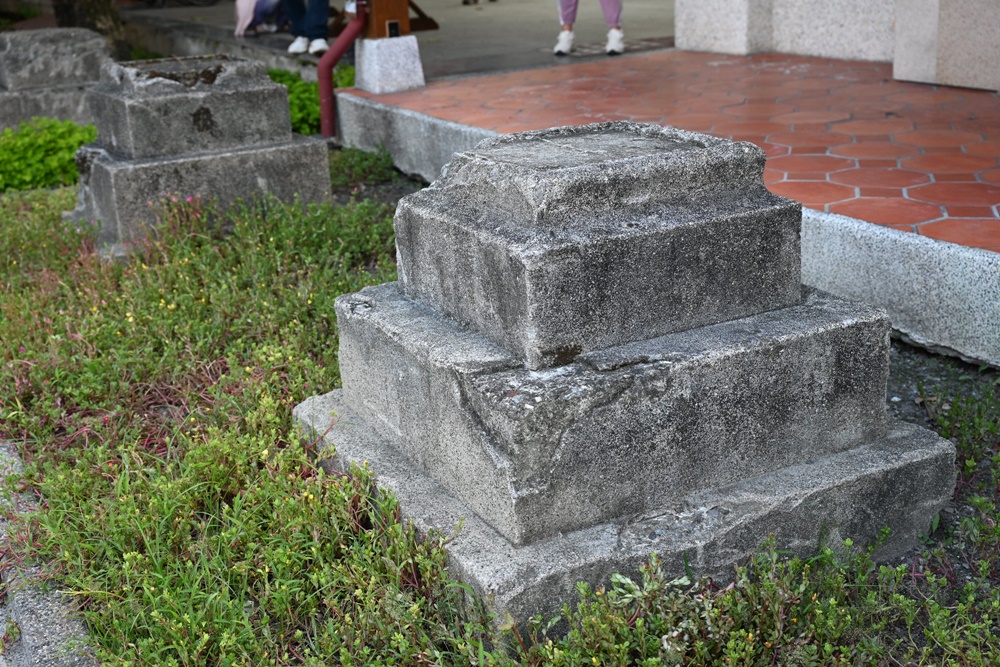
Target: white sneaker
300	45
318	46
616	42
564	44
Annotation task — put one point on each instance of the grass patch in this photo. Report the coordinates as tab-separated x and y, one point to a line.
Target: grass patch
303	96
40	153
350	167
151	400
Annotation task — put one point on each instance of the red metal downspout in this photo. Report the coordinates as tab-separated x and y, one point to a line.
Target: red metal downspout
324	71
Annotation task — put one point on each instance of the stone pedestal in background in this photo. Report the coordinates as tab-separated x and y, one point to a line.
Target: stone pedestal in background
47	73
215	127
598	348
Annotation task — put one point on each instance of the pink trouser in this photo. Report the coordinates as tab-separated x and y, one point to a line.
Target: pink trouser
612	12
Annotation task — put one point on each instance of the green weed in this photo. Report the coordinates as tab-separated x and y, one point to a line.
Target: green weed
40	153
303	96
350	166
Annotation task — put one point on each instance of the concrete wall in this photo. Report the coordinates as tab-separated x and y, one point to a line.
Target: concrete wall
848	29
723	26
851	29
951	42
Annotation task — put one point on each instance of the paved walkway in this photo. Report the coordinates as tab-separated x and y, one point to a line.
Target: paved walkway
840	136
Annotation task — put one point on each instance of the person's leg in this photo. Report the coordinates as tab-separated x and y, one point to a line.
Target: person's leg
567	17
567	13
316	19
613	17
612	13
296	11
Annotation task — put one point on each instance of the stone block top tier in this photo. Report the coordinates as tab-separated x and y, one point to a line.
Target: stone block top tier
51	57
184	106
565	241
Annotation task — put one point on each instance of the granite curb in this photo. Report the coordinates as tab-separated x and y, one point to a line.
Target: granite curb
41	626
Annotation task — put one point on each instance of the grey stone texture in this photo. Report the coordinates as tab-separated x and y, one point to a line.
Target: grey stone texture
419	144
124	196
955	43
159	108
723	26
388	65
583	245
849	29
50	57
939	295
213	127
691	436
536	453
49	632
47	73
900	480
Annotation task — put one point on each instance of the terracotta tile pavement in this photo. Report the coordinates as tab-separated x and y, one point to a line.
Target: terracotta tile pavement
840	136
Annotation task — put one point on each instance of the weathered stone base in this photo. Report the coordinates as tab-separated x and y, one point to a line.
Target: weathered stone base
117	193
900	480
62	102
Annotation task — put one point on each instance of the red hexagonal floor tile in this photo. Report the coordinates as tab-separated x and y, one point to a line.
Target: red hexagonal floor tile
961	194
988	148
887	210
810	163
799	117
881	127
818	141
875	149
992	176
815	194
983	233
880	178
928	138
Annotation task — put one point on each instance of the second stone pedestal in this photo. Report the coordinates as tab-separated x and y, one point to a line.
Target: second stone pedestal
214	127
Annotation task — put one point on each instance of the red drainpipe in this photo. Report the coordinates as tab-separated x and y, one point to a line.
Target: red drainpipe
324	71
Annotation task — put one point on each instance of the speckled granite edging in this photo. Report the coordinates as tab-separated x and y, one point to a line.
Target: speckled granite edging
939	295
40	623
419	144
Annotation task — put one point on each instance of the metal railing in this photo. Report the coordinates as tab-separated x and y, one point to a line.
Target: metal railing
324	71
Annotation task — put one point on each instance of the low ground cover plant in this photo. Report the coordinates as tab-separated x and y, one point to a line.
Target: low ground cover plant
303	96
40	153
151	400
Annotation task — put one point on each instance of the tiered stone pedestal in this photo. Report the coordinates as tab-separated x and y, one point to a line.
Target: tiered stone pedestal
47	73
599	348
215	127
